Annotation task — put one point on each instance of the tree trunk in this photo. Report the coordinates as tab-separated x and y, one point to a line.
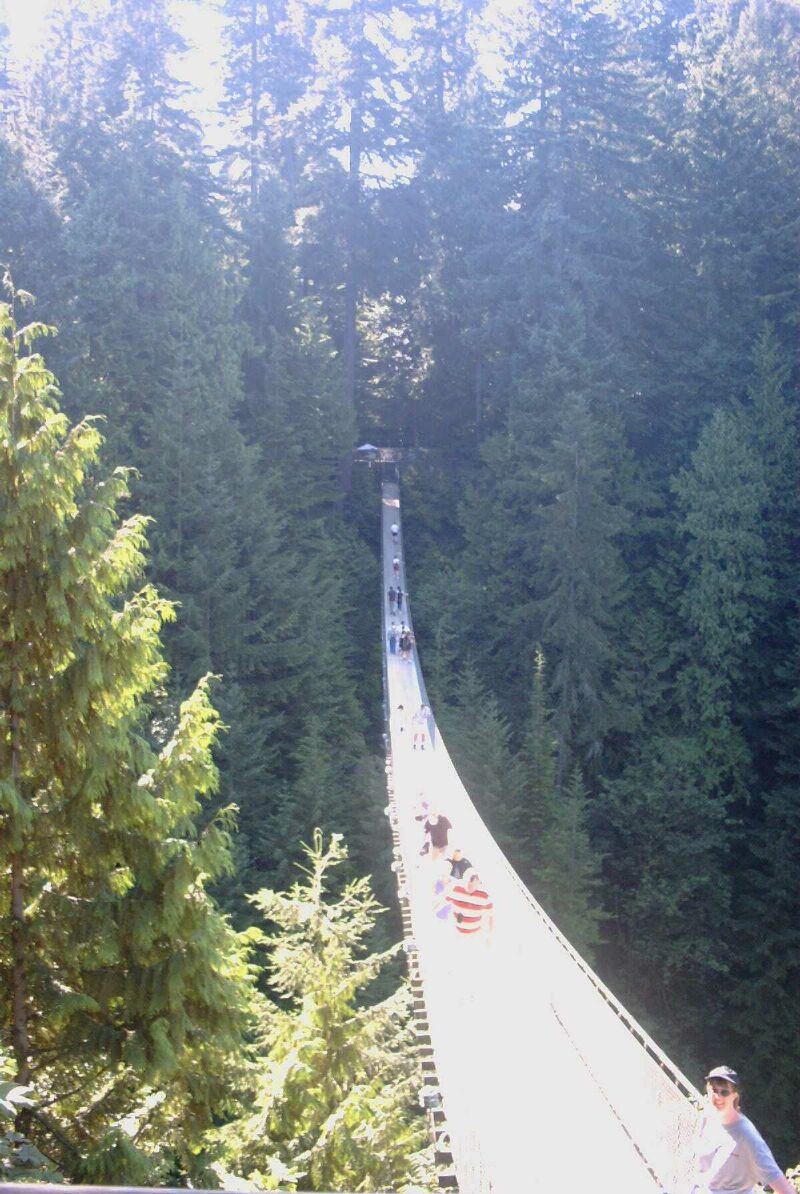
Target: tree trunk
351	263
19	975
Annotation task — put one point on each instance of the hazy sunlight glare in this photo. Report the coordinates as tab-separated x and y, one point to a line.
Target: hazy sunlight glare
202	25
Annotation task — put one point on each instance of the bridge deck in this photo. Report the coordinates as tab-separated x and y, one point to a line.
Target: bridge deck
545	1078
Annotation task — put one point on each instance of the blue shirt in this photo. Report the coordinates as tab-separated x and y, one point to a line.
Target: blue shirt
731	1158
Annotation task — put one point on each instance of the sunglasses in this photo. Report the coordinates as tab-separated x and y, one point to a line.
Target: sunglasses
722	1091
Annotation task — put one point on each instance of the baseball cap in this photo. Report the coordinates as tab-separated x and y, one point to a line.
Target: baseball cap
724	1073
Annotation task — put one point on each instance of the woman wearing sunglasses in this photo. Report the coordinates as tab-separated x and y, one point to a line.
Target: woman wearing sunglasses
732	1155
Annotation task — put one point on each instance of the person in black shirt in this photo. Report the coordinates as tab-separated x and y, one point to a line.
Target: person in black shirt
437	829
458	864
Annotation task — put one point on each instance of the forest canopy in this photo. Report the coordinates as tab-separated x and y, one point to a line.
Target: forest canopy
557	248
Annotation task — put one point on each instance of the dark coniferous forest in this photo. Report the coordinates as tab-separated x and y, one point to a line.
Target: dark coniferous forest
560	261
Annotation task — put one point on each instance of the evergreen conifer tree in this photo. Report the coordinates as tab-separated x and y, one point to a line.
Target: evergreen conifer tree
767	971
563	865
740	211
578	121
667	889
124	978
332	1108
764	700
496	609
567	876
479	737
433	328
721	498
30	233
233	520
581	577
20	1161
267	72
540	761
357	116
766	707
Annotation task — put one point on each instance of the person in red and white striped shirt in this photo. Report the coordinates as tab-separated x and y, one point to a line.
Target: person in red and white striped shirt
471	905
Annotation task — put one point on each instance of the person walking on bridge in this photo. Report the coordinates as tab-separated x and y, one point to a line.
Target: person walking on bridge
420	723
459	865
405	642
472	906
392	595
437	828
431	726
731	1154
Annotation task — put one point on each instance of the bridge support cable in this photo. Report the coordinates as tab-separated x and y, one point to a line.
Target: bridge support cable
543	1074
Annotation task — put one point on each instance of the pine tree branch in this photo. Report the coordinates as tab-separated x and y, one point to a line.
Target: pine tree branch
55	1132
75	1090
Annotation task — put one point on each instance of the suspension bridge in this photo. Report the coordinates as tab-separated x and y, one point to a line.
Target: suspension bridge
536	1077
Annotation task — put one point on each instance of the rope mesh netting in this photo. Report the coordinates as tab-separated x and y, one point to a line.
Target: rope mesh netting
544	1077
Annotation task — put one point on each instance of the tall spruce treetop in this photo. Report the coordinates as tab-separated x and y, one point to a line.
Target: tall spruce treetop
739	155
267	73
123	977
151	341
107	84
137	84
356	119
333	1106
722	498
444	57
577	123
728	587
359	84
445	232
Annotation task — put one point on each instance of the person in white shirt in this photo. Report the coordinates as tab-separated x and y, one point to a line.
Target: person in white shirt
731	1154
420	723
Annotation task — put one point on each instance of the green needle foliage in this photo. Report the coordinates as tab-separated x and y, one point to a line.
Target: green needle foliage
20	1161
568	877
564	865
128	993
479	736
333	1104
